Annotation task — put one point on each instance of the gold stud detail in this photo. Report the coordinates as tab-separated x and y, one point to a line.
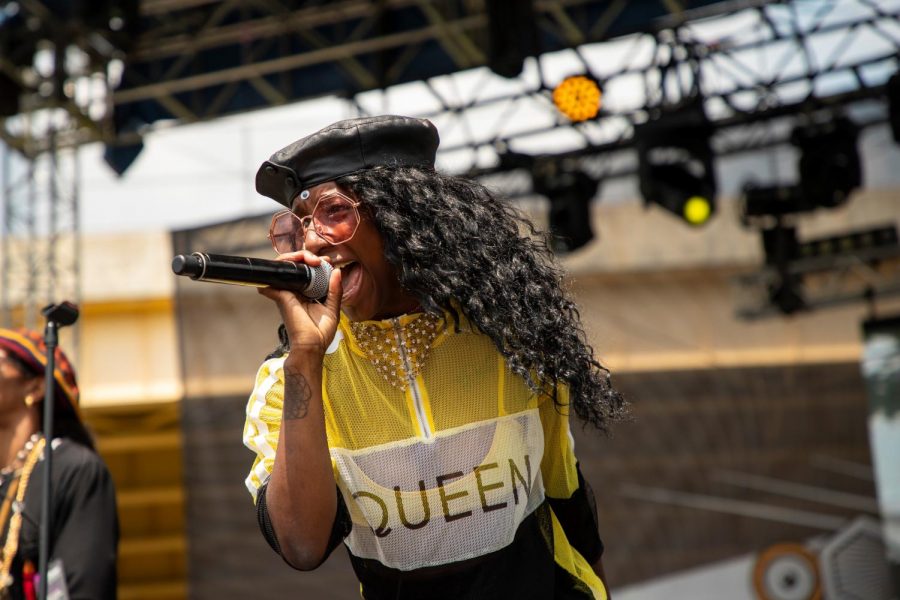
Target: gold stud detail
398	352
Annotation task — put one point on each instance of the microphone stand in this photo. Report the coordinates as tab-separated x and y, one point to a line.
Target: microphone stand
57	315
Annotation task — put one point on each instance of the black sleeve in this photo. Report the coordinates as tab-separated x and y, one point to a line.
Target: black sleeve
578	517
339	529
87	530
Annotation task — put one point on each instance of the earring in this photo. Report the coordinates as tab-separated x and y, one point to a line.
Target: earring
29	400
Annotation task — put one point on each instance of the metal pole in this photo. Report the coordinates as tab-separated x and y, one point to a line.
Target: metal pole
57	315
51	338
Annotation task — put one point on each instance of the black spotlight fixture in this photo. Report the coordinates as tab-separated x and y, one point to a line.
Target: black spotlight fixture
771	200
570	191
829	169
829	165
781	249
675	163
128	143
893	97
512	35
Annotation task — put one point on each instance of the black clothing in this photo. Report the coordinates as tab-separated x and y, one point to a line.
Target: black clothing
84	528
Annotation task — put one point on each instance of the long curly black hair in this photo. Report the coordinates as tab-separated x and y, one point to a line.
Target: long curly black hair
455	244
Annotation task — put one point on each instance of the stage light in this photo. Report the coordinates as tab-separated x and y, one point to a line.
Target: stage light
829	170
781	248
680	191
128	144
697	210
578	97
829	166
512	35
120	156
774	200
570	192
675	164
892	89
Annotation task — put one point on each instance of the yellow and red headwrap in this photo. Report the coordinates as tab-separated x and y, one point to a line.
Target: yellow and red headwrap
29	347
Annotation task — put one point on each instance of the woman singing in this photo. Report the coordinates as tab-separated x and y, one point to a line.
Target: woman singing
420	414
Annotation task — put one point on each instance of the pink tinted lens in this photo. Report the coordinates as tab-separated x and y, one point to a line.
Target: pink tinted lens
335	219
286	233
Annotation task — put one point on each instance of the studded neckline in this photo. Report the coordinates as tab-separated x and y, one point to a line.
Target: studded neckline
398	348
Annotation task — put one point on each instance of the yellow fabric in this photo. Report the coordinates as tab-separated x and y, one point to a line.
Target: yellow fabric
388	411
575	564
367	417
263	422
558	464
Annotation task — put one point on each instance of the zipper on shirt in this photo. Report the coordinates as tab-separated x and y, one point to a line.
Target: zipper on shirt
414	389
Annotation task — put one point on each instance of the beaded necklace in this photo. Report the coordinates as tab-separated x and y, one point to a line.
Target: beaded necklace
14	466
398	351
29	456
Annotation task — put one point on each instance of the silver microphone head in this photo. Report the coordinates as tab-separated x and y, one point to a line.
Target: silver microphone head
318	282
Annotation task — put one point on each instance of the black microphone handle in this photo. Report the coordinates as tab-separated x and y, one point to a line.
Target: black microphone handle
243	270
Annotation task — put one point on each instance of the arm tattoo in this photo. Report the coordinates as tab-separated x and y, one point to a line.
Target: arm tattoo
297	394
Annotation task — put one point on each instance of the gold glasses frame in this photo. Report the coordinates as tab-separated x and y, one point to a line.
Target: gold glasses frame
303	223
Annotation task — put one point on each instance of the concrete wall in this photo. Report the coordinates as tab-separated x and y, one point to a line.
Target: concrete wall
128	343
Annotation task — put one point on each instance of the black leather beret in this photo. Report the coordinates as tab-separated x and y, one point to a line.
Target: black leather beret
347	147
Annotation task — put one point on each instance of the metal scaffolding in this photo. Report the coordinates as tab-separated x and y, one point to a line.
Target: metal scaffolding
62	89
40	249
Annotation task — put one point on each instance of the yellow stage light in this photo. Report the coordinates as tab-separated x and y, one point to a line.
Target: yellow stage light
697	210
578	97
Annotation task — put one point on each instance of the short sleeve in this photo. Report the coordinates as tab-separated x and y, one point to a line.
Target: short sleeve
261	430
263	421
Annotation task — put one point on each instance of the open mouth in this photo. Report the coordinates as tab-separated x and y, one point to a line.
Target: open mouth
350	277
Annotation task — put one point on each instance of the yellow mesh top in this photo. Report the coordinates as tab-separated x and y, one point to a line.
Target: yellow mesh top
362	409
446	449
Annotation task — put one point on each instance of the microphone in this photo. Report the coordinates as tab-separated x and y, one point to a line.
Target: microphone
312	282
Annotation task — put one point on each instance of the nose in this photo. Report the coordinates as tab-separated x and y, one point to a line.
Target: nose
312	241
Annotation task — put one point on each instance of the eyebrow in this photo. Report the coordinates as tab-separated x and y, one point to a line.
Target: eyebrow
298	204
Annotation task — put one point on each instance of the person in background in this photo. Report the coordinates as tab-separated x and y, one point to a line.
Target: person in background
84	530
420	413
